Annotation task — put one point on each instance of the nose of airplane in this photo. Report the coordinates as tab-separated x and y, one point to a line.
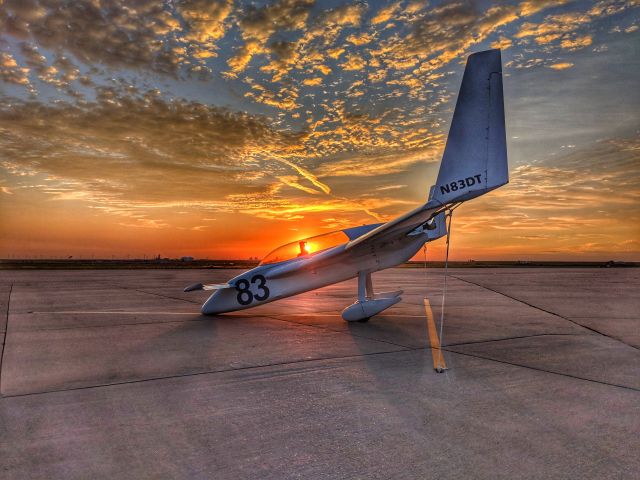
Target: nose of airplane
213	304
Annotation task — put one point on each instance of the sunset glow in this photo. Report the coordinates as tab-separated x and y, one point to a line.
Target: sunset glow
224	129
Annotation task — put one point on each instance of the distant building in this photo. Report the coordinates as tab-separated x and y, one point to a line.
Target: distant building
186	259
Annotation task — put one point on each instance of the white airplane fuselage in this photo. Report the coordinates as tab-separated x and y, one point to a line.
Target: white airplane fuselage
255	287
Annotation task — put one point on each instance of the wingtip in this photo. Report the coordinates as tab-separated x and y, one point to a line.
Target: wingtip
193	287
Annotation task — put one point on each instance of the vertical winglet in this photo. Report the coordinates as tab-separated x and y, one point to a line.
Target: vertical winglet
475	157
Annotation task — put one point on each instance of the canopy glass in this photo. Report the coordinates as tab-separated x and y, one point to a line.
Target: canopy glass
305	246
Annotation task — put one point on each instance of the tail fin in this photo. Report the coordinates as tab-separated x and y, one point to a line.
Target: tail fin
475	157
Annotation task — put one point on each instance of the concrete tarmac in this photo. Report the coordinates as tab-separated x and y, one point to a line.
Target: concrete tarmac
115	374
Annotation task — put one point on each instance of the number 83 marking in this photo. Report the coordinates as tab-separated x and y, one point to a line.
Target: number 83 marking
246	296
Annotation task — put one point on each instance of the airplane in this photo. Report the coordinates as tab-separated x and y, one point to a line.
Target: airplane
474	162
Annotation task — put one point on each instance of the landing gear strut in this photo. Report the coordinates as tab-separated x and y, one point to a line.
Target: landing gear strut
369	303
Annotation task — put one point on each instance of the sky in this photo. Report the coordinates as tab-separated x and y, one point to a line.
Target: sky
222	129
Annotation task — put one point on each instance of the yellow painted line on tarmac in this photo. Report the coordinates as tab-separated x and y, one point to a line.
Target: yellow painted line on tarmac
438	359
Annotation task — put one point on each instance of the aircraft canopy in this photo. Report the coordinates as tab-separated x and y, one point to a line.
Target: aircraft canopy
306	246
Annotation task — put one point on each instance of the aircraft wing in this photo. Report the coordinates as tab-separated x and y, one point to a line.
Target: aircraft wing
399	226
200	286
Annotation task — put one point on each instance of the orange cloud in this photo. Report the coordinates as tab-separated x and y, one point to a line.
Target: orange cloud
576	43
502	43
534	6
361	39
561	65
11	72
205	20
385	13
563	27
353	62
311	82
259	24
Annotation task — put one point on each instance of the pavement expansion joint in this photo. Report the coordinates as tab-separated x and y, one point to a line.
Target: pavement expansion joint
156	294
547	311
207	372
502	339
543	370
131	324
6	333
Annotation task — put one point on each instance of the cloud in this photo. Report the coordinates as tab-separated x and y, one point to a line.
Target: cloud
502	43
238	63
436	37
360	39
274	206
118	34
391	187
577	42
385	13
531	7
312	82
61	72
343	15
353	62
257	25
205	20
179	38
342	137
283	98
308	51
349	93
308	175
11	72
553	25
573	211
32	56
561	30
561	65
381	163
124	151
136	155
611	7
